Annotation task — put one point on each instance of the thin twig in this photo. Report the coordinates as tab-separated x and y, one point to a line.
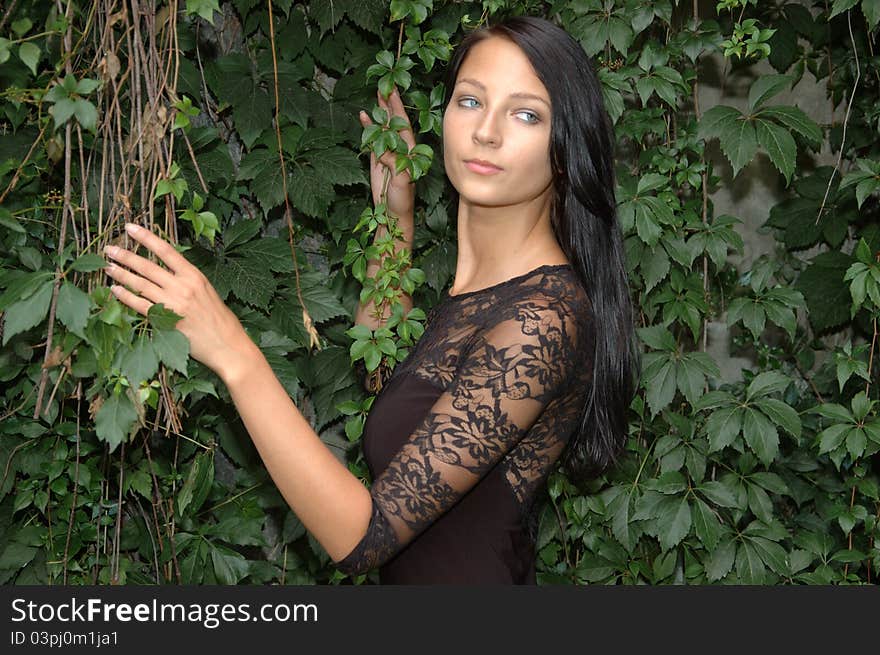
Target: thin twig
845	118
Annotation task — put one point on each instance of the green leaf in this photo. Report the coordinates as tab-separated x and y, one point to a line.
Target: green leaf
794	119
198	483
779	144
86	114
114	419
16	556
723	426
173	348
230	567
706	525
831	438
73	308
856	441
721	561
660	381
750	567
162	318
657	337
718	493
140	363
655	268
739	144
781	414
760	435
840	6
871	10
765	87
27	313
272	253
716	120
772	554
88	262
203	8
674	522
826	294
766	383
30	55
251	282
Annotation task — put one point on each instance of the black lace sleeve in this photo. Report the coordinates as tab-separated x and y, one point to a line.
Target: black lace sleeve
507	378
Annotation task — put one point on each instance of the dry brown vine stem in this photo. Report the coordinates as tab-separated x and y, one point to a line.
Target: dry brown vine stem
314	339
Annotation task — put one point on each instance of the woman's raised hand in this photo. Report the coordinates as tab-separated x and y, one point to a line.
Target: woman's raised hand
400	195
215	334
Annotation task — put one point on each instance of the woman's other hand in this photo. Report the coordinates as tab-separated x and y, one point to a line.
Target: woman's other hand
216	336
400	197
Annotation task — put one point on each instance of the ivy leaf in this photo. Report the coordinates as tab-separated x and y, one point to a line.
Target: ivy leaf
760	435
840	6
750	567
781	414
765	87
779	144
264	168
706	525
230	567
198	483
140	363
86	114
721	561
311	193
27	313
114	419
172	348
240	232
655	268
766	383
659	380
270	252
250	281
825	292
30	55
719	493
338	166
88	262
162	318
674	522
203	8
716	120
73	308
794	119
739	143
723	426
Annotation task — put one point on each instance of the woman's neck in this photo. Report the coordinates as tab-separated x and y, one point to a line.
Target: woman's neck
499	243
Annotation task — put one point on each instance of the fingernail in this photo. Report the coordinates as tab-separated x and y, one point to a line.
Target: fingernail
131	228
111	250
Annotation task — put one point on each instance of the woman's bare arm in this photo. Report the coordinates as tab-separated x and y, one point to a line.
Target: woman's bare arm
331	502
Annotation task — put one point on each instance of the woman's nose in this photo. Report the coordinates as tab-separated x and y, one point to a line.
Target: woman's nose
486	131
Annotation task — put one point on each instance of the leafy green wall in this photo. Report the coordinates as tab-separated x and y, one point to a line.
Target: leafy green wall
125	462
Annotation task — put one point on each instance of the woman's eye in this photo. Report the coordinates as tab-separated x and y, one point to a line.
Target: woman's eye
533	118
466	100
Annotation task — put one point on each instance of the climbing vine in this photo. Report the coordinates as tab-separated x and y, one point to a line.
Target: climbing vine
231	129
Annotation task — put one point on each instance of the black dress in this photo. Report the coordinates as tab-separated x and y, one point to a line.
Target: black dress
467	429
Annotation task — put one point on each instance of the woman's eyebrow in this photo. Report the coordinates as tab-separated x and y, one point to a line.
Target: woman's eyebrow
518	94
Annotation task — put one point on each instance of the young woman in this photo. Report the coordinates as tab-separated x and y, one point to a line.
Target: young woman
529	357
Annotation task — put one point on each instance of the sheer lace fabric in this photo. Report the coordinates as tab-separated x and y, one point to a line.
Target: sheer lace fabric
506	369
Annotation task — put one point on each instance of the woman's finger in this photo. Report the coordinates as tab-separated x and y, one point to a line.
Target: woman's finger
400	110
135	282
126	297
161	248
149	270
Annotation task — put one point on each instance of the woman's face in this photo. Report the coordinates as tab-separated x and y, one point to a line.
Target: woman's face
499	112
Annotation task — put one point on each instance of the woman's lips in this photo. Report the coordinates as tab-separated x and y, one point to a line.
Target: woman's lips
482	169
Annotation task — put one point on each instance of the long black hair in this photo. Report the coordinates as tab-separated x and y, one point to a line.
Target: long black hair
584	220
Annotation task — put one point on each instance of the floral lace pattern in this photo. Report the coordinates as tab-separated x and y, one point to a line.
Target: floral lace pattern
514	362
